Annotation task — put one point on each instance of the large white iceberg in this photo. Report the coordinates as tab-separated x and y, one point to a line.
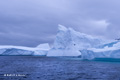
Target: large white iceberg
110	50
68	42
40	50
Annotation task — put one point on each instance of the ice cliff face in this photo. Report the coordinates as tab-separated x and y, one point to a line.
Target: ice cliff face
40	50
68	42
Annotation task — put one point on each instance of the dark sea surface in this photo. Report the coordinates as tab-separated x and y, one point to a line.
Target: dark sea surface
44	68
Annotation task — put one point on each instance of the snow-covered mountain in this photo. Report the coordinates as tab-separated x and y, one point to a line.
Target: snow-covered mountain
41	50
69	42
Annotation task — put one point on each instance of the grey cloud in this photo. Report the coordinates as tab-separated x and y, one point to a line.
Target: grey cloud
31	22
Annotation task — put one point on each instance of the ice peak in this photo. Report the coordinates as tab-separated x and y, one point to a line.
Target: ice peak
71	29
62	28
44	46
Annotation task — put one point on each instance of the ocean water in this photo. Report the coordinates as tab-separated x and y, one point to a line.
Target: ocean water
44	68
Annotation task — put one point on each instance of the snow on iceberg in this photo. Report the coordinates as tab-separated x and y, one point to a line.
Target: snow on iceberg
111	50
41	50
68	42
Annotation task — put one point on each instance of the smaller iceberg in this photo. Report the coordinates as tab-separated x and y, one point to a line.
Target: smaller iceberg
110	50
40	50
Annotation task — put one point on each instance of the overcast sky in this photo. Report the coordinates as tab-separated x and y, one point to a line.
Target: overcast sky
31	22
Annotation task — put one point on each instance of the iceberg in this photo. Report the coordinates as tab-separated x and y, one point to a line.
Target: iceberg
68	42
40	50
110	50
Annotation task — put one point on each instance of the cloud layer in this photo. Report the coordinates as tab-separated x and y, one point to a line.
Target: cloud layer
31	22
